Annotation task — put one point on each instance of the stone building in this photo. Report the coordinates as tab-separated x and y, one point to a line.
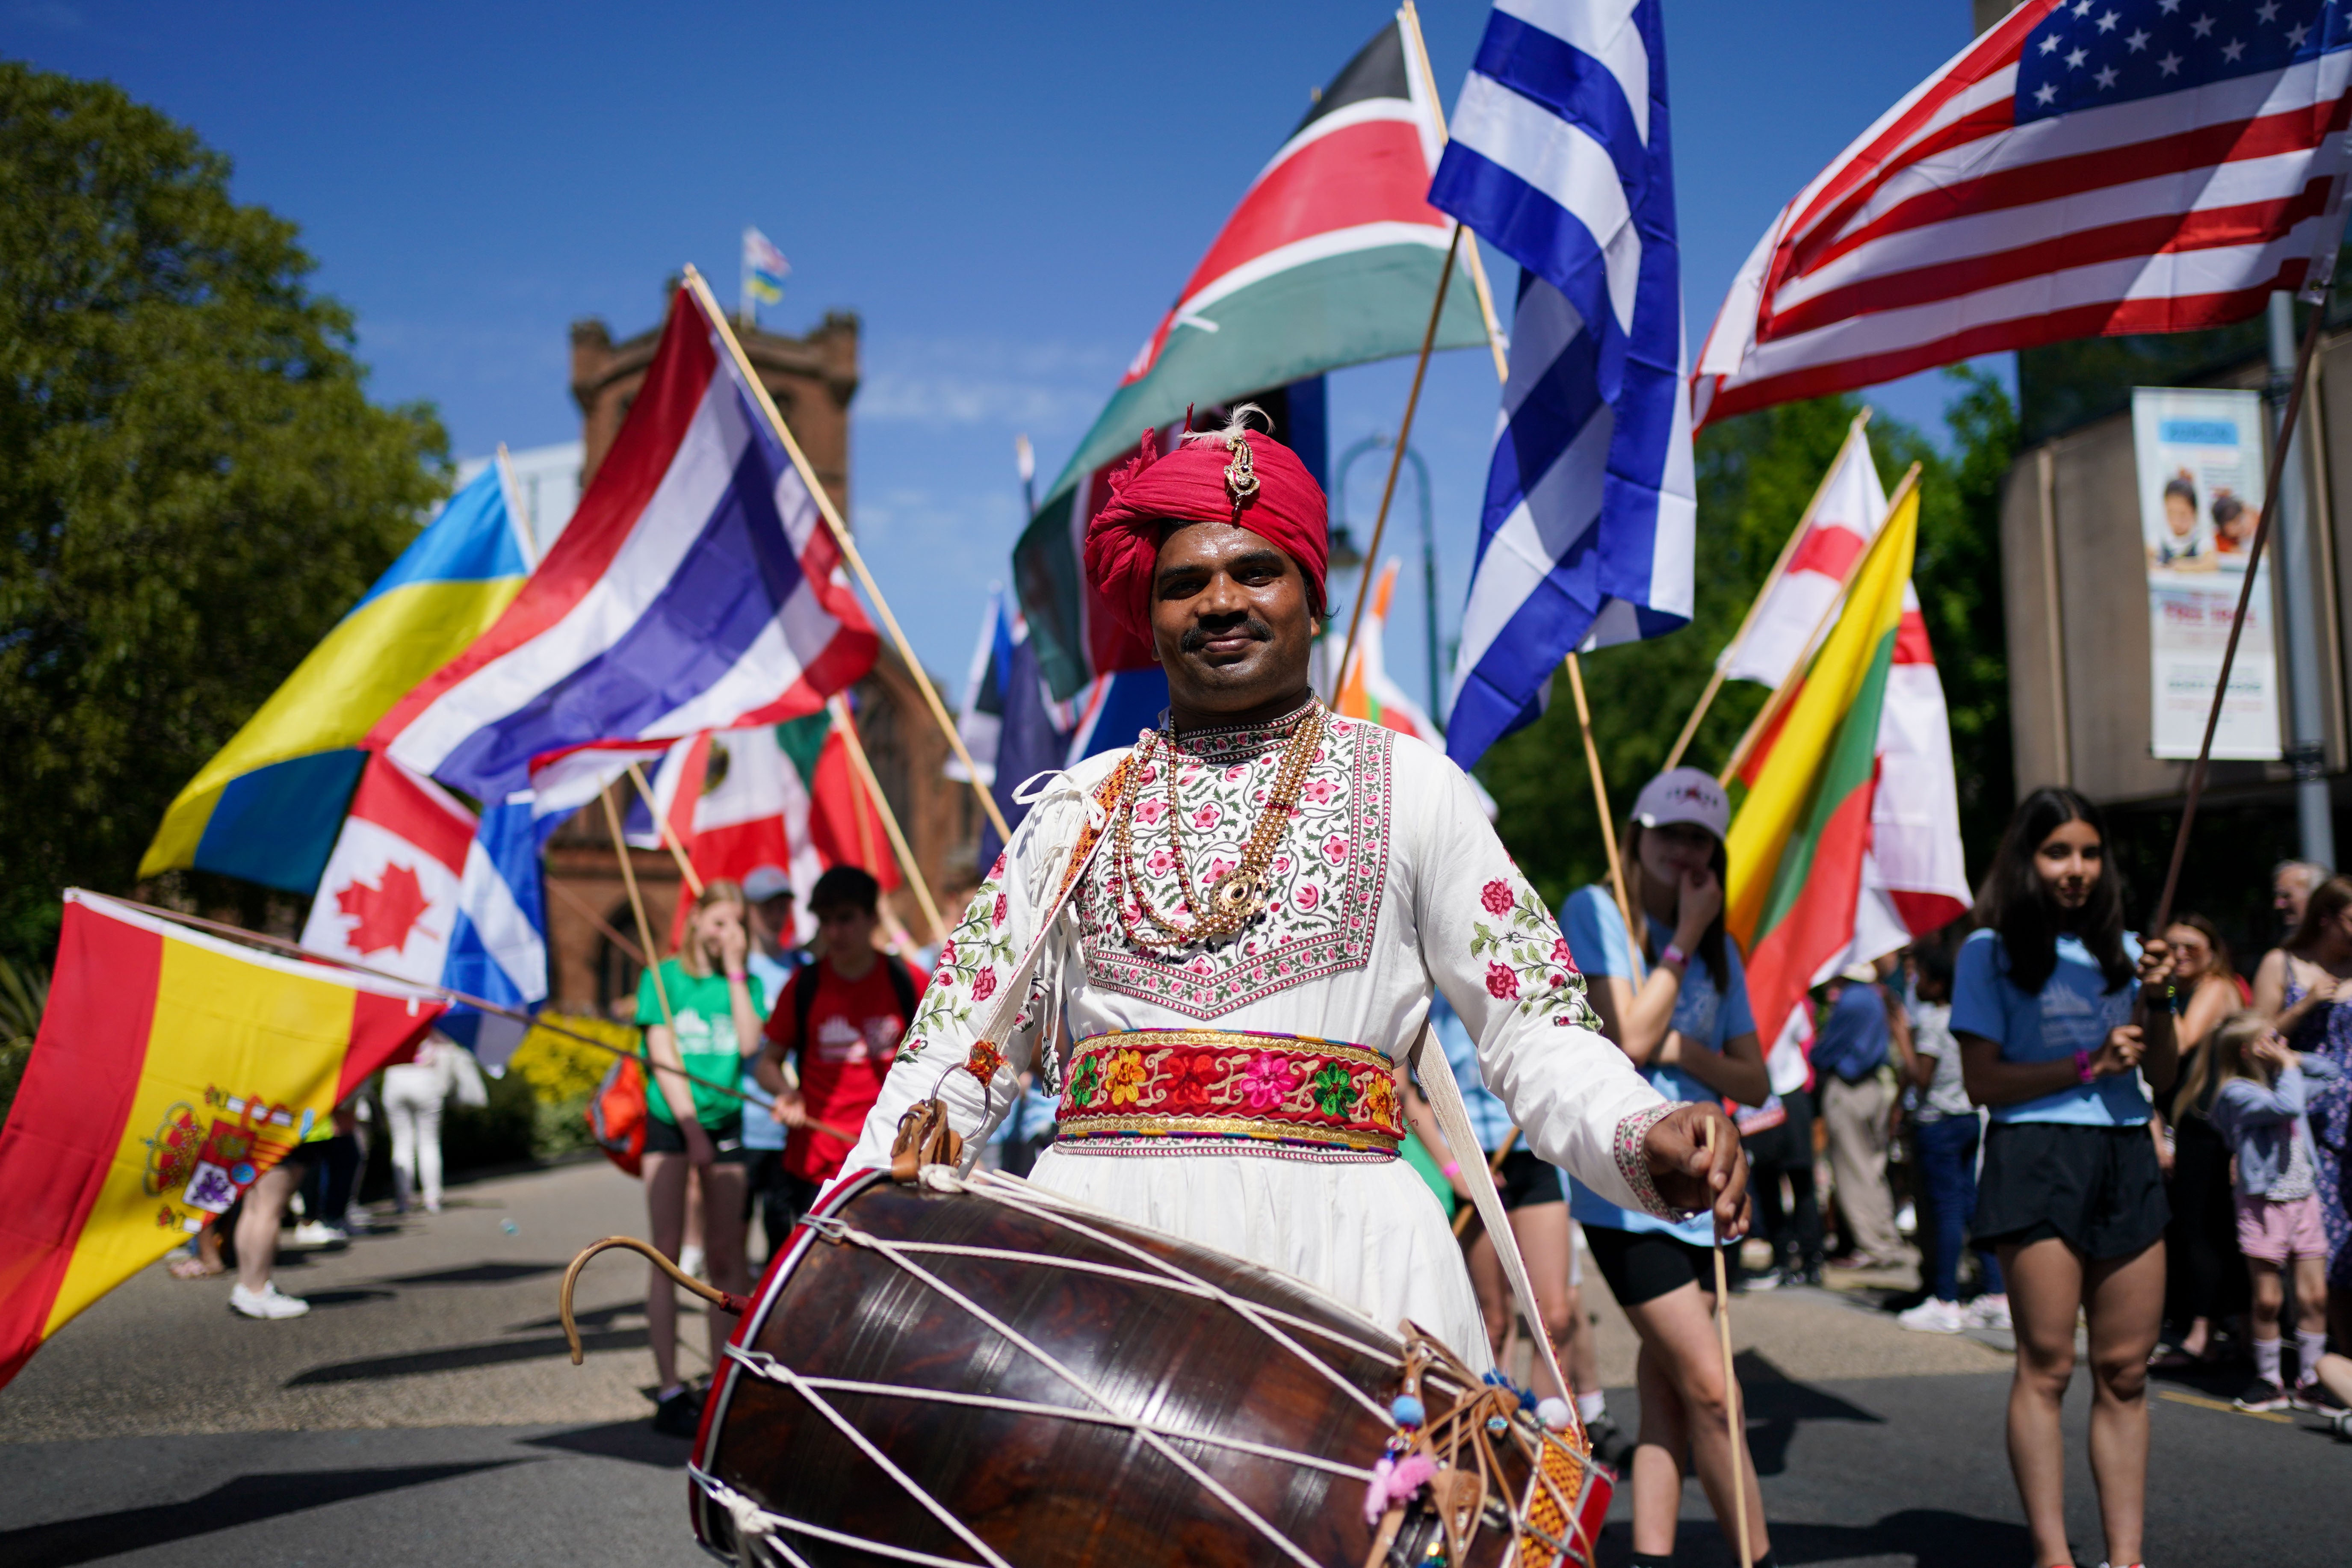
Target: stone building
591	932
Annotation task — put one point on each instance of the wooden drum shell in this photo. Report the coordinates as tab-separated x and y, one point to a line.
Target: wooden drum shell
1042	1491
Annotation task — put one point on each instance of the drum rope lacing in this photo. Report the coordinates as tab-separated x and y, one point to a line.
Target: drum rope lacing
768	1367
1052	1363
988	1184
756	1526
1180	1285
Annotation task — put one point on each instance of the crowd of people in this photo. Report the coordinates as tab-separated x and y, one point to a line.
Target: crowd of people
2084	1125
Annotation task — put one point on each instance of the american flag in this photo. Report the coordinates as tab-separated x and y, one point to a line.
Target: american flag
2087	168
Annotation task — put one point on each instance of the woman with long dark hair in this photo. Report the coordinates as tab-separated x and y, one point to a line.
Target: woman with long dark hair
2058	1011
1682	1014
2204	1276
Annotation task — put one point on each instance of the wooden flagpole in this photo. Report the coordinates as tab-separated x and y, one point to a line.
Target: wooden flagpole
849	551
1396	455
1608	818
1783	694
1411	17
865	766
1771	580
668	833
518	518
637	908
1733	1405
2292	418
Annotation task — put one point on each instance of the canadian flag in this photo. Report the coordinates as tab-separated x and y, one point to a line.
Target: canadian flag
389	896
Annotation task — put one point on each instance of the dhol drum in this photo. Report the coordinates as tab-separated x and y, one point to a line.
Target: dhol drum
976	1372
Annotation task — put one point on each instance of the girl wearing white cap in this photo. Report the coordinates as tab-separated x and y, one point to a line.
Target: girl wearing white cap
1682	1014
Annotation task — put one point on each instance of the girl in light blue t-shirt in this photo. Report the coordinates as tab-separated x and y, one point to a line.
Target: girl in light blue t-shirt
2059	1014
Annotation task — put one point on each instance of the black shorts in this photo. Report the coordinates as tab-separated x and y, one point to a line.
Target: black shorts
664	1138
1643	1265
1526	1181
2097	1189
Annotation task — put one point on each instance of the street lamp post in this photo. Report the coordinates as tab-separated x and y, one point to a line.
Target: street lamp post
1344	554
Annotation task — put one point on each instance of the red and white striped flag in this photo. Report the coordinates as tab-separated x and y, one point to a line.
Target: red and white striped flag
2085	168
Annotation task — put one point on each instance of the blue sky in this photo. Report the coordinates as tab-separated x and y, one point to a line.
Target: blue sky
1009	195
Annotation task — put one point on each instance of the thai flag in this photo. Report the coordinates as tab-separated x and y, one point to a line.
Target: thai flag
698	587
1560	156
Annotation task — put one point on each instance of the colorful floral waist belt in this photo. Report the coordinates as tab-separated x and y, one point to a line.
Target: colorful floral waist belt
1218	1092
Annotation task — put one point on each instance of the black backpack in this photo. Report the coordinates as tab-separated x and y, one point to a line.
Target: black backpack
902	987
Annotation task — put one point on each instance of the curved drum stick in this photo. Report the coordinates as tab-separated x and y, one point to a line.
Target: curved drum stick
725	1301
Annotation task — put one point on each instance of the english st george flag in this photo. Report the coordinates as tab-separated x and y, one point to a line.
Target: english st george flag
2085	168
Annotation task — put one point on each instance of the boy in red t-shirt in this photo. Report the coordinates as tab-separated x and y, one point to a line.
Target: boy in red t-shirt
833	1033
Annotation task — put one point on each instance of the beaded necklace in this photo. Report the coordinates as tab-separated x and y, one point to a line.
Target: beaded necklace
1235	899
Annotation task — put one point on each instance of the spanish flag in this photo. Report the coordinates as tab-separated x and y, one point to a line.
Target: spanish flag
1802	820
172	1068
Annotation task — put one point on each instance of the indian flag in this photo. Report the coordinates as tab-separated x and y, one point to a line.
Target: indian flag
1807	825
1366	692
170	1071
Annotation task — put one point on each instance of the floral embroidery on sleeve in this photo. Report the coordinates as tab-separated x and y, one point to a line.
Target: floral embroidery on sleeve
968	969
1527	958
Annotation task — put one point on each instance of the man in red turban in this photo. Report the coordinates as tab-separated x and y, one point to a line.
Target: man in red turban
1264	898
1229	476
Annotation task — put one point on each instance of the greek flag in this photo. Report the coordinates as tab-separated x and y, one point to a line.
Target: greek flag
1561	157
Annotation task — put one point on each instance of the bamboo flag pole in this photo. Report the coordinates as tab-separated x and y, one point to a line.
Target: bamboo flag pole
517	518
668	833
2289	420
1733	1412
865	766
1771	580
1607	820
1396	453
849	551
1411	17
637	908
1786	692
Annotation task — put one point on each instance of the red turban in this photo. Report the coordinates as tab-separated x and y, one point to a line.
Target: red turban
1233	475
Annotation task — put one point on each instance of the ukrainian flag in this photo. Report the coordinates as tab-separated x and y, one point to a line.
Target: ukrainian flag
267	806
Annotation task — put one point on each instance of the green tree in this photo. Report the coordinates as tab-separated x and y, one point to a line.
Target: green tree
193	483
1755	475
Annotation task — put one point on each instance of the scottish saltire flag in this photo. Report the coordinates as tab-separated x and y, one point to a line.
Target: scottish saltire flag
697	587
2077	171
268	804
764	269
1561	157
498	943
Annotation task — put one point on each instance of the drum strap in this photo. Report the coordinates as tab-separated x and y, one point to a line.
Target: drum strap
1428	1060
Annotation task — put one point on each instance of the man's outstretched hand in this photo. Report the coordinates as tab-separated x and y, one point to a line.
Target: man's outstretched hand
1696	1159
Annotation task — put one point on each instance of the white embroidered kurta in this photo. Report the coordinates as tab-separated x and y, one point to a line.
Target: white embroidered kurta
1389	881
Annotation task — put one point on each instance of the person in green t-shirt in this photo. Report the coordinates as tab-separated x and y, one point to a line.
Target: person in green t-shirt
701	1017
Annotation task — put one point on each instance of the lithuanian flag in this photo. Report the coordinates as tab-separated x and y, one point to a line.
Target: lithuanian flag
1803	796
172	1068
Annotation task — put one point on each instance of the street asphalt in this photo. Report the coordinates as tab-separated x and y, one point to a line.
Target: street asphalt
426	1414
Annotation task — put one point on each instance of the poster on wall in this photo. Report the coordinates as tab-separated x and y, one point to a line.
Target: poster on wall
2199	452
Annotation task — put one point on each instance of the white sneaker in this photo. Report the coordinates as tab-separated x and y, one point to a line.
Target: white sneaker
266	1302
1933	1316
311	1233
1989	1312
689	1262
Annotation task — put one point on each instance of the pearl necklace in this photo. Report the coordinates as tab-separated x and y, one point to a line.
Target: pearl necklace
1239	896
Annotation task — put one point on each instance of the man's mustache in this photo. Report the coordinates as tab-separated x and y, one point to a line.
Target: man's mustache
1196	636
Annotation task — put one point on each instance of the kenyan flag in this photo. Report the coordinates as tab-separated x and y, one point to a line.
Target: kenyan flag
1802	826
1330	260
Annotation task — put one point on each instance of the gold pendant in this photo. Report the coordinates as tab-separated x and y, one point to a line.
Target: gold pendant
1236	894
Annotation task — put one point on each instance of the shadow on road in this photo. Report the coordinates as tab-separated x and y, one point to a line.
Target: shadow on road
248	1499
477	1274
346	1297
1925	1537
459	1358
636	1441
1777	1405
